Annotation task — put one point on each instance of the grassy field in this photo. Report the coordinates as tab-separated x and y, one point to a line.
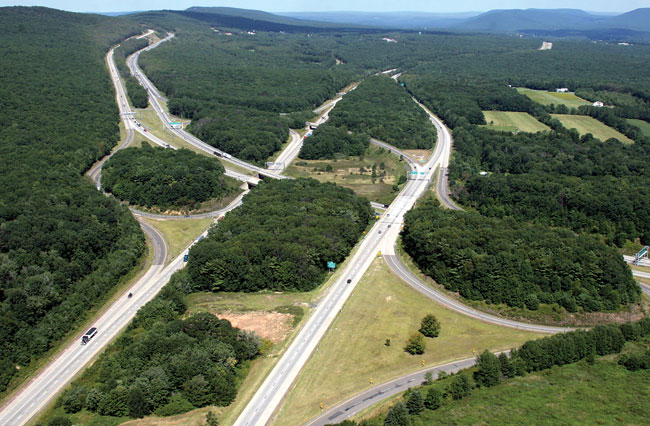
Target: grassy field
356	173
575	394
584	124
643	125
547	98
179	233
353	350
513	121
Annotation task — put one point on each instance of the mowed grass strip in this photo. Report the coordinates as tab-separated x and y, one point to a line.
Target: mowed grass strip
353	350
558	98
179	233
585	124
512	121
643	125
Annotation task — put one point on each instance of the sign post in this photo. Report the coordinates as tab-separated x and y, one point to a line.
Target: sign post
331	266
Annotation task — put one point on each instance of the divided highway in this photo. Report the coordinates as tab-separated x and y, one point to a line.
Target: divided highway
382	236
155	98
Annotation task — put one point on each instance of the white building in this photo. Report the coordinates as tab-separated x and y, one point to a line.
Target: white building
562	90
599	104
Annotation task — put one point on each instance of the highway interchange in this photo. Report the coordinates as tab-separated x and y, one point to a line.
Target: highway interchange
380	239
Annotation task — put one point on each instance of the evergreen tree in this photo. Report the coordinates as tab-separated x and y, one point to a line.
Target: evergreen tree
460	387
397	415
506	366
415	403
488	371
433	400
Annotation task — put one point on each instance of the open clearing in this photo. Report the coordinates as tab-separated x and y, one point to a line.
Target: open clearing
272	326
179	233
547	98
584	124
356	173
353	349
643	125
512	121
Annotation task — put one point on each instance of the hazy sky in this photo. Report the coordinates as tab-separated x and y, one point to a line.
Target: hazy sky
332	5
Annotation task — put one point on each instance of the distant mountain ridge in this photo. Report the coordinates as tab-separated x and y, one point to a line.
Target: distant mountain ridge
401	20
561	21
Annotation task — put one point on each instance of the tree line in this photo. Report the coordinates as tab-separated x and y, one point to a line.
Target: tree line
164	178
513	262
281	238
63	245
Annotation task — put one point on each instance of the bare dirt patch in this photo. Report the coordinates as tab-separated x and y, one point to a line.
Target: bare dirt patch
272	326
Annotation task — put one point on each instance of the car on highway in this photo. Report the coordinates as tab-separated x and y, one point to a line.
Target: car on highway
89	335
349	280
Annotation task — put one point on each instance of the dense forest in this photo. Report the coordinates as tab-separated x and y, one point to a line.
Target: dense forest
163	178
511	262
166	363
557	179
377	108
281	238
63	245
439	401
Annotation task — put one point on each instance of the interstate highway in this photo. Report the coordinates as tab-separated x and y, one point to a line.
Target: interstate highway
381	236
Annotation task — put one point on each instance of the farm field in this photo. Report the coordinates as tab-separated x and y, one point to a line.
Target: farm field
547	98
584	124
354	348
513	121
643	125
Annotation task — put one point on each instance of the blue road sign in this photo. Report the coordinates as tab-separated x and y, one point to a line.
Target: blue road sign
331	265
414	172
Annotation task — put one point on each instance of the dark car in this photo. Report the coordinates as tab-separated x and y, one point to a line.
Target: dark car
349	280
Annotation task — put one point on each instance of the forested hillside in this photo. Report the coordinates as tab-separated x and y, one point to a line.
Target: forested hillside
164	178
511	262
63	245
281	238
377	108
165	363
